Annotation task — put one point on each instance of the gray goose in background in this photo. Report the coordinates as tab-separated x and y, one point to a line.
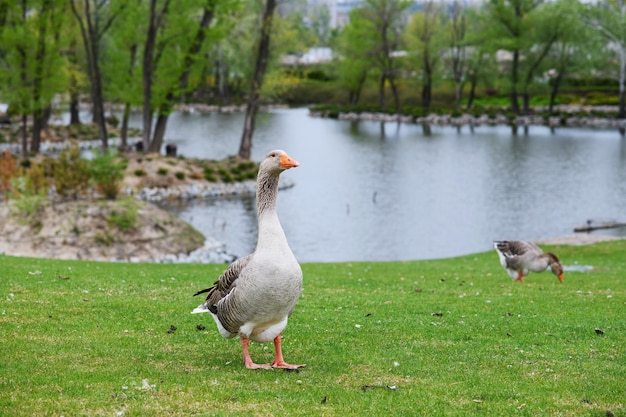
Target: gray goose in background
519	258
256	294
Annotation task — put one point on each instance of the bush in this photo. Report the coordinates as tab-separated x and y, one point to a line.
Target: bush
8	170
180	175
162	171
107	172
71	173
124	217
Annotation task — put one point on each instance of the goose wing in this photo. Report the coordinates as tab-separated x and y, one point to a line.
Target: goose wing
224	284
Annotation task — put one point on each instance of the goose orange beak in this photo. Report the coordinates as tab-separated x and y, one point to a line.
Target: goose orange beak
287	162
561	277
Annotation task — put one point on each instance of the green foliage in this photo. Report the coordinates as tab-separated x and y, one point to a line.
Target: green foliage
124	216
71	173
107	172
180	175
32	72
162	171
448	337
209	174
139	172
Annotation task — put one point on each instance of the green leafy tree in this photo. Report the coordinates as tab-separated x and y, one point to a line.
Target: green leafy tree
387	18
262	53
574	52
172	49
426	40
509	26
31	68
608	18
458	51
95	18
355	54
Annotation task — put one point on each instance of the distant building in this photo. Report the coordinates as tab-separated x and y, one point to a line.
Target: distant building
310	57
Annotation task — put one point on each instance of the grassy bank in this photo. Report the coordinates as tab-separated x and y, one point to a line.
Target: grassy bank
441	337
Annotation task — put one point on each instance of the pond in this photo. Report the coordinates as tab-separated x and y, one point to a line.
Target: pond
367	191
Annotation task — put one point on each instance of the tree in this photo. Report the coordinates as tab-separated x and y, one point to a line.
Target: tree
354	47
262	54
573	49
509	26
172	49
426	41
31	68
609	19
94	18
458	50
386	16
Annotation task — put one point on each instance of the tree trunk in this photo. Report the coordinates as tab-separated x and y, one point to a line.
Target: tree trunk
74	108
148	68
525	103
74	89
24	135
38	113
472	92
382	100
262	56
457	94
514	78
126	115
159	132
37	127
124	129
394	91
556	83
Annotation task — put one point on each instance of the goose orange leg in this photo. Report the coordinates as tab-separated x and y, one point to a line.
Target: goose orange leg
520	276
247	360
279	362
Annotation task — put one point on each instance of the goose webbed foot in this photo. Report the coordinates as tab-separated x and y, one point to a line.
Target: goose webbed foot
247	360
279	362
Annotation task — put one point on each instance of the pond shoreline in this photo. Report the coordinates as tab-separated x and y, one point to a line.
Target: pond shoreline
569	116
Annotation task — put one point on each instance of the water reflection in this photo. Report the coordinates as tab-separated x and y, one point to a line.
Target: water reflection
372	191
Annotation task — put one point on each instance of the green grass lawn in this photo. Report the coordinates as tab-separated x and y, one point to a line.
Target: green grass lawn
433	338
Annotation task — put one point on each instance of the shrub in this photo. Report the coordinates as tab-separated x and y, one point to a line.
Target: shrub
28	206
36	180
107	172
209	174
8	170
140	172
180	175
162	171
124	217
71	173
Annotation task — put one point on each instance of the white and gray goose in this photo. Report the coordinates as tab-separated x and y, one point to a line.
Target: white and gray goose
256	294
519	257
